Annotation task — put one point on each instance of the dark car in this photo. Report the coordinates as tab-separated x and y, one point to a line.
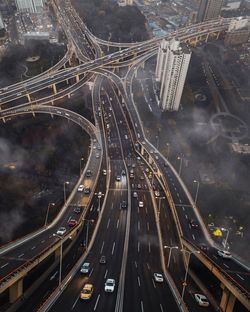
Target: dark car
102	260
124	204
193	224
77	210
204	247
88	173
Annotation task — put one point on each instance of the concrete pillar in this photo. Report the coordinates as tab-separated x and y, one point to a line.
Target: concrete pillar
218	34
150	160
77	78
142	64
54	88
142	150
108	49
28	97
16	291
57	253
207	37
227	300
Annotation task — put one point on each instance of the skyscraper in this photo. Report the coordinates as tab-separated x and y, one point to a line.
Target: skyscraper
171	70
209	9
31	6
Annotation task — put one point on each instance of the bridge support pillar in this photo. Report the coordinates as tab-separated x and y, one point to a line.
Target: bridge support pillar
227	300
207	37
16	291
77	78
142	150
142	64
54	89
28	97
218	34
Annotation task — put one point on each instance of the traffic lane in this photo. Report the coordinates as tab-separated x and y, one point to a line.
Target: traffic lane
143	248
240	274
108	228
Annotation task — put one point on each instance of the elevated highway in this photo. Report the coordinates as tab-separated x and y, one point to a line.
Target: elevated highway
20	257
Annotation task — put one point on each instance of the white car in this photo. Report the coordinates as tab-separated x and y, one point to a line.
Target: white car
157	193
61	231
158	277
202	300
80	188
141	204
224	254
109	285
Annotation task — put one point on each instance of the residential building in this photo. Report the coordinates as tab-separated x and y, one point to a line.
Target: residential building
29	6
171	70
209	9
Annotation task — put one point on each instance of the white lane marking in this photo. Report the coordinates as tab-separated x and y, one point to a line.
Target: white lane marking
138	225
90	273
186	216
193	236
178	194
138	247
135	264
91	208
149	247
112	205
148	266
33	247
117	224
3	266
96	303
43	241
102	248
73	306
180	200
142	309
139	282
146	209
138	210
226	265
108	223
240	277
53	276
183	208
161	308
69	218
148	226
20	255
106	273
153	283
113	248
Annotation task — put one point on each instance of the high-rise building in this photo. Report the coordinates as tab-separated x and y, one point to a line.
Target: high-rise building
171	70
209	9
30	6
125	2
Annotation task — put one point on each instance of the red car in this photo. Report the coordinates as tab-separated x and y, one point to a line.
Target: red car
72	222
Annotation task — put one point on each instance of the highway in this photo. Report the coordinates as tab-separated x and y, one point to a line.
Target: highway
129	237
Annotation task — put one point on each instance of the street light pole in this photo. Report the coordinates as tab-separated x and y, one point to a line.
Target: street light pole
64	190
226	230
170	252
180	167
168	148
159	206
186	273
81	159
47	213
197	190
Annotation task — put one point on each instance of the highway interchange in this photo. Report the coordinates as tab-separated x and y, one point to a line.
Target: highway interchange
132	239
